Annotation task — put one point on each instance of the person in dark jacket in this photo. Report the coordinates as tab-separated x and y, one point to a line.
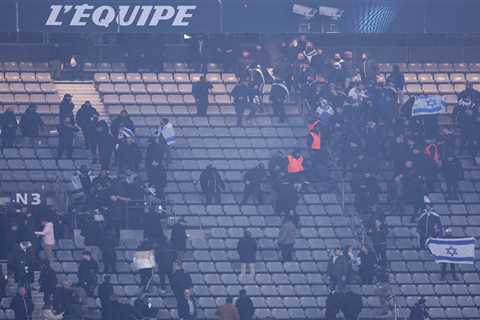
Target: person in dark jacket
31	123
165	255
178	237
396	78
66	134
66	109
286	197
414	191
157	177
87	119
22	305
453	173
156	151
351	305
253	183
200	91
241	94
443	271
105	143
122	121
419	311
279	95
22	263
368	261
245	306
333	304
368	69
212	184
428	225
180	281
48	282
108	242
87	273
3	284
105	293
342	269
187	306
378	235
63	298
286	237
8	125
247	251
129	155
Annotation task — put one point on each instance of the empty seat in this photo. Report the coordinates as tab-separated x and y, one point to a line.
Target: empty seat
219	88
104	66
10	66
119	67
134	77
446	88
425	78
48	87
154	88
414	88
214	77
473	77
445	67
28	77
170	88
12	76
474	67
17	87
149	77
138	88
410	78
459	87
106	88
122	88
117	77
99	77
429	88
415	67
43	77
430	67
165	77
181	77
441	78
460	67
229	78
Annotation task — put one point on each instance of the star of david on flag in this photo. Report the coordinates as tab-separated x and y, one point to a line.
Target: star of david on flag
452	250
428	105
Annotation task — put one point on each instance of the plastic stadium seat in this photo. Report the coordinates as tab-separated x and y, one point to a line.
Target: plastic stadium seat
429	88
185	88
181	77
425	78
26	66
446	67
445	88
450	98
12	76
10	66
117	77
143	98
175	99
119	67
457	77
474	67
415	67
170	88
138	88
460	67
214	67
134	77
459	87
476	86
4	87
122	88
214	77
149	77
219	88
473	77
43	77
17	87
33	88
100	77
111	99
37	98
410	78
180	66
229	78
165	77
22	98
194	77
28	77
154	88
430	67
222	99
441	77
414	88
159	99
106	88
89	67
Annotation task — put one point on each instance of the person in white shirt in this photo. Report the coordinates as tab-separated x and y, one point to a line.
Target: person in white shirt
168	133
48	238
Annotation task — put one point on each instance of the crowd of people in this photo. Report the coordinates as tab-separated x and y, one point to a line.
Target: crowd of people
358	122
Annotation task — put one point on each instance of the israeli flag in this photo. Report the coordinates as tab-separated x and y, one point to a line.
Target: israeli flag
452	250
428	105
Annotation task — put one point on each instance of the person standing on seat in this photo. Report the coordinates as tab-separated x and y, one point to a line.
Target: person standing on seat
48	282
253	183
241	94
295	166
428	225
122	121
167	131
187	306
453	173
8	126
22	305
87	273
48	238
105	292
66	134
178	237
245	306
443	272
180	282
108	242
286	238
212	184
200	91
84	118
66	109
247	251
351	304
105	143
165	255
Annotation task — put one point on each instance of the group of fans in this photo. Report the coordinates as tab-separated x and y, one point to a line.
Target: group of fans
356	121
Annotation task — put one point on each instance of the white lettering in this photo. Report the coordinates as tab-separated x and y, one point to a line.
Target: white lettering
35	199
103	16
123	11
146	10
162	13
67	8
183	14
80	14
21	198
52	18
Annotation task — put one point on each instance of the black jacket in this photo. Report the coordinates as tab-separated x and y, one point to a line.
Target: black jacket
200	90
245	308
22	306
155	152
8	122
247	250
452	170
30	123
66	110
21	261
157	176
48	279
84	115
105	291
165	256
66	133
178	237
181	280
351	305
120	122
211	181
184	311
87	272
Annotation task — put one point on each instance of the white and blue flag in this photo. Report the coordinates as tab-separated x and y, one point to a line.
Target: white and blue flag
452	250
428	105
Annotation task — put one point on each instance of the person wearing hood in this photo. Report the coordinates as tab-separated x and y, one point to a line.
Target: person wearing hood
8	126
66	109
31	123
212	184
